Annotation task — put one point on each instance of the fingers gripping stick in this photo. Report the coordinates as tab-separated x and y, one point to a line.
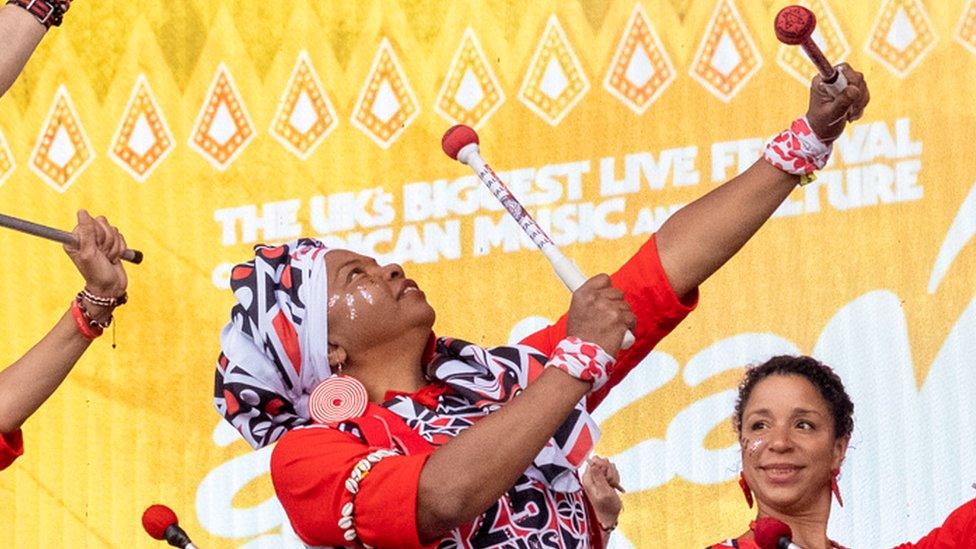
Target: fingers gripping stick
794	27
461	144
50	233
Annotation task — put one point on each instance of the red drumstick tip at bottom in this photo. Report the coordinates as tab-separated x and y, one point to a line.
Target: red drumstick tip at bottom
157	518
457	138
768	531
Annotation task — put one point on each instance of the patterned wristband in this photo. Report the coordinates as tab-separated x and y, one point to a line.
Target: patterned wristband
798	151
48	12
346	521
582	360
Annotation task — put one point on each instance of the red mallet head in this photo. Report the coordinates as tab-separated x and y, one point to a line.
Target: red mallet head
768	531
157	518
456	139
795	25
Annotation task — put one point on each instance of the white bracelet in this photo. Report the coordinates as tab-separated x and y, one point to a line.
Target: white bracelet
359	472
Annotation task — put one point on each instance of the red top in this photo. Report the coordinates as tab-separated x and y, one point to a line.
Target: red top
957	532
11	448
309	467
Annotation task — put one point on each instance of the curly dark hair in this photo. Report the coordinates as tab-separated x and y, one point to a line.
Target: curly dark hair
819	374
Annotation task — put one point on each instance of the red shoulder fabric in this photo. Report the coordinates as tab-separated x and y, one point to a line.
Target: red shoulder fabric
309	468
11	448
654	303
740	544
959	530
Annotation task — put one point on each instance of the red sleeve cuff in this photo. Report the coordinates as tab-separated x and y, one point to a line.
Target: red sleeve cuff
11	447
309	469
386	506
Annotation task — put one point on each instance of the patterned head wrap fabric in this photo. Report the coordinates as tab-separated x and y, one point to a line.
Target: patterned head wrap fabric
274	350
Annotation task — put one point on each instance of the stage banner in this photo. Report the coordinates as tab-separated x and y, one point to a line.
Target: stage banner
203	127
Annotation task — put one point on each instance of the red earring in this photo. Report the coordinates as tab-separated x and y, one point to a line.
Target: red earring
834	487
746	491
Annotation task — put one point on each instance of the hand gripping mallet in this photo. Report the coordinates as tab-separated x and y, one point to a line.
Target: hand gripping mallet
50	233
794	27
461	143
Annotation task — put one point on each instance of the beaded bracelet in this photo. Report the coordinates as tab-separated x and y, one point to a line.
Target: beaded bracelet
103	301
584	361
359	472
798	151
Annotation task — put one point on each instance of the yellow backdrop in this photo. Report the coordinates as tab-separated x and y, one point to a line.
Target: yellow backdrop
201	127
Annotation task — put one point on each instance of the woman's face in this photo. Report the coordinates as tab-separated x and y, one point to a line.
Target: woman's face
371	303
788	444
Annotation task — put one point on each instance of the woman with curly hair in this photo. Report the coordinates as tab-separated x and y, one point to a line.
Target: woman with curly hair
794	420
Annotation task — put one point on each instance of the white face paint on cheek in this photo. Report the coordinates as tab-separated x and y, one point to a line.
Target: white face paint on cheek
333	300
754	446
365	293
351	304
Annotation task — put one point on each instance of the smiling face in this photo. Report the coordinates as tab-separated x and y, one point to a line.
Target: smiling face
789	445
371	304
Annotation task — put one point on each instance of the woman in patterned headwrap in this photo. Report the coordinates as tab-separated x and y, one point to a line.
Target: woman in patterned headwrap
444	454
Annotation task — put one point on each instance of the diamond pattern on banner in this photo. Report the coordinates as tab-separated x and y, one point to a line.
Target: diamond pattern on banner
7	164
305	115
471	92
901	36
386	104
223	128
640	70
727	56
555	81
62	150
143	139
827	35
966	32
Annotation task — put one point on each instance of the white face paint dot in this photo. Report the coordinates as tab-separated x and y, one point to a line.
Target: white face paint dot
366	295
755	446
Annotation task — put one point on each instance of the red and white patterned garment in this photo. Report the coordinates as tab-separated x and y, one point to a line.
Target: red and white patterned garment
310	465
11	448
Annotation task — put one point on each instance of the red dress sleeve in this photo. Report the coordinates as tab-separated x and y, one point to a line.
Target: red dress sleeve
959	530
11	448
309	468
649	294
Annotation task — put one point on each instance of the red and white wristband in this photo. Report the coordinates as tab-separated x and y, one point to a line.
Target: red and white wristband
798	151
584	361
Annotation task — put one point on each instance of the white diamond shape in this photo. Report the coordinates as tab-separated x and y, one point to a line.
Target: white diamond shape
640	69
902	32
554	81
62	151
385	105
223	127
303	116
726	57
142	138
469	93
